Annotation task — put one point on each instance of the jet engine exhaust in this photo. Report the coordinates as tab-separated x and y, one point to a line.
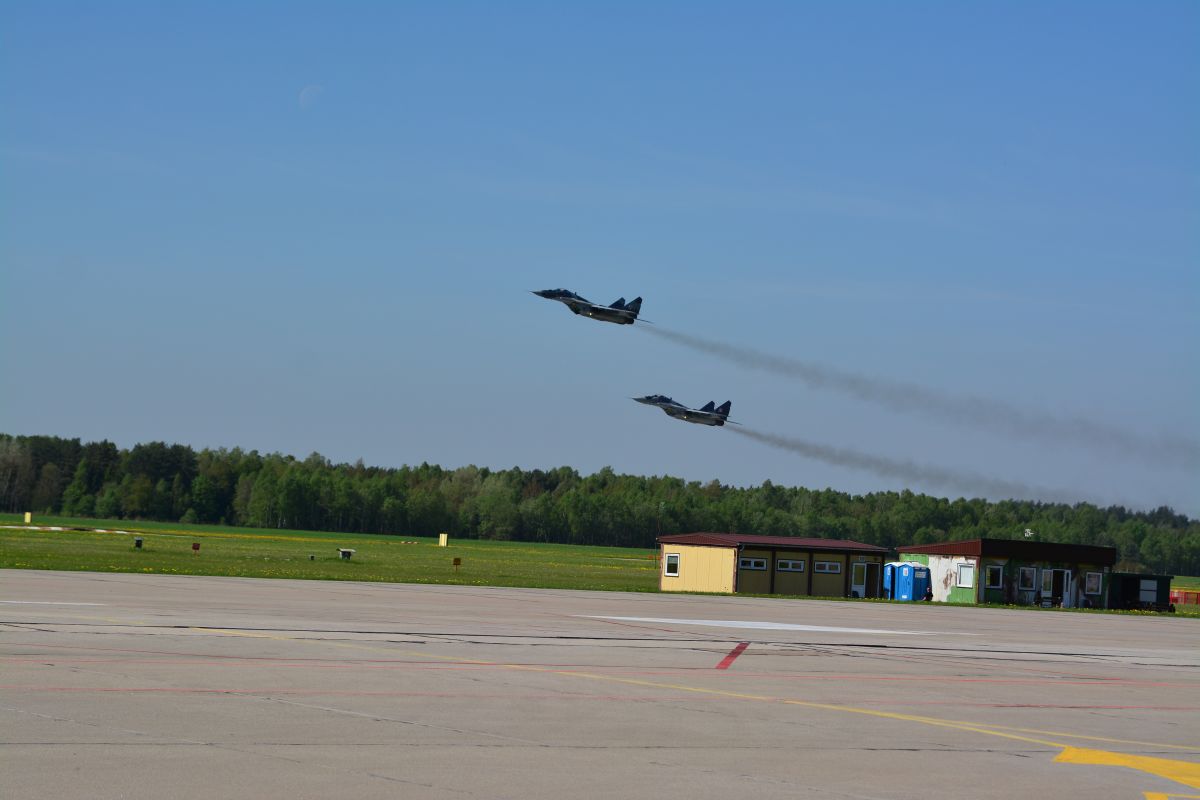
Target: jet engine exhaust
977	412
969	483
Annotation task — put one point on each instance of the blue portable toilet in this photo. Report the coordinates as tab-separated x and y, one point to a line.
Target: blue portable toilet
905	580
921	581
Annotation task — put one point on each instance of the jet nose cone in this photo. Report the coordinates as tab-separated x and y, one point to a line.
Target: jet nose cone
540	292
645	399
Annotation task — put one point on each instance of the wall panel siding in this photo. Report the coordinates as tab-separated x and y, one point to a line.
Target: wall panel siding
701	569
792	582
1007	592
829	585
943	576
755	581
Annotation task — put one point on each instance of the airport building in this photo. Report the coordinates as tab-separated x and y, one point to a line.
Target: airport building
735	563
1016	572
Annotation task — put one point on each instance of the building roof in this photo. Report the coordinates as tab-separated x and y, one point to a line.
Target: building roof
1019	548
771	542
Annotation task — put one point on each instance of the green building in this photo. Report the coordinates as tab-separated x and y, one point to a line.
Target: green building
1016	572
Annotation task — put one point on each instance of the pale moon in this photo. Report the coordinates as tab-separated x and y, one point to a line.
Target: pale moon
309	95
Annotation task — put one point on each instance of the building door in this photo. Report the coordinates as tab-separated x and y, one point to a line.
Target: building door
872	580
1056	586
1068	595
1059	584
858	579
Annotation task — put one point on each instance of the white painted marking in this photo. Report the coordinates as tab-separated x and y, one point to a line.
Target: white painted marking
47	603
773	626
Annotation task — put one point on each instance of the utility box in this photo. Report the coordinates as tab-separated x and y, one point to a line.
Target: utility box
28	517
137	542
443	539
905	580
345	553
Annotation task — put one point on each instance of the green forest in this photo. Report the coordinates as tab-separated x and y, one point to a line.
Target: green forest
157	481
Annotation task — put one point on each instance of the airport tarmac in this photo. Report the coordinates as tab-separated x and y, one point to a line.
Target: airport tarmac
150	686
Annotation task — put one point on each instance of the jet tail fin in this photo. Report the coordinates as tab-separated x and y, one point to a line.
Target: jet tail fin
723	409
619	305
709	406
635	306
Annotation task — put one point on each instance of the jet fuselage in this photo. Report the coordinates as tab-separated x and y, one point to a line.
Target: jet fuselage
697	416
618	313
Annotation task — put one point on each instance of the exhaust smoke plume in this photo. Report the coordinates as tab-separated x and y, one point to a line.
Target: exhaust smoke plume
969	483
977	412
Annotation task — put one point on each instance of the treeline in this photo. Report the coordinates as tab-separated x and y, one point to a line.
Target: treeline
157	481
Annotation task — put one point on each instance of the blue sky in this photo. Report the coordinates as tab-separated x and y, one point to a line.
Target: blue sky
313	226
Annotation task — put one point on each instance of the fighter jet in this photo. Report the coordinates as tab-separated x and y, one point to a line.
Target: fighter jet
620	312
708	415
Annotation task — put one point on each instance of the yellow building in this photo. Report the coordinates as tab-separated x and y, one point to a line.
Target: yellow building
732	562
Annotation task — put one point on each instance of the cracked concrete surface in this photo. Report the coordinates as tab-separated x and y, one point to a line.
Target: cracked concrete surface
194	687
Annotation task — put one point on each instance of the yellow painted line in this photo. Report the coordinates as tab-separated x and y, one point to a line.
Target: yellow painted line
871	712
1136	742
1165	796
1183	772
248	634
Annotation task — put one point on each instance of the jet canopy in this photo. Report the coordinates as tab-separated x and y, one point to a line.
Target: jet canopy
559	294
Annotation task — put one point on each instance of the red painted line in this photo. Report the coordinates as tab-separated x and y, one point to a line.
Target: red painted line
733	654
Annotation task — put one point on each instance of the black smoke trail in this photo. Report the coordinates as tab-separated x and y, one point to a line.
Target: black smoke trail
977	412
969	483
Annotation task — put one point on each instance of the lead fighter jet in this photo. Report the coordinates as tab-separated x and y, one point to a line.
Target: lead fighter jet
620	312
708	415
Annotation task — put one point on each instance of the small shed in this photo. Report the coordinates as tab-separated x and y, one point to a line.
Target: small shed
1133	591
730	563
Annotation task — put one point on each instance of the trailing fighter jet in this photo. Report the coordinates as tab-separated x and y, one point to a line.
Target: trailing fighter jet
708	415
620	312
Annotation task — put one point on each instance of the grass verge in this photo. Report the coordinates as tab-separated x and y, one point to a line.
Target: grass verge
167	549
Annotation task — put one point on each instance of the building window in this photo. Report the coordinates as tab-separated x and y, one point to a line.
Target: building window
1091	584
1028	580
828	567
966	576
790	566
671	566
995	577
1047	581
752	563
1148	592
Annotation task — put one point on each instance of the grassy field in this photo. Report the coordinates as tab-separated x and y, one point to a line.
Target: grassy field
1189	582
259	553
248	552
